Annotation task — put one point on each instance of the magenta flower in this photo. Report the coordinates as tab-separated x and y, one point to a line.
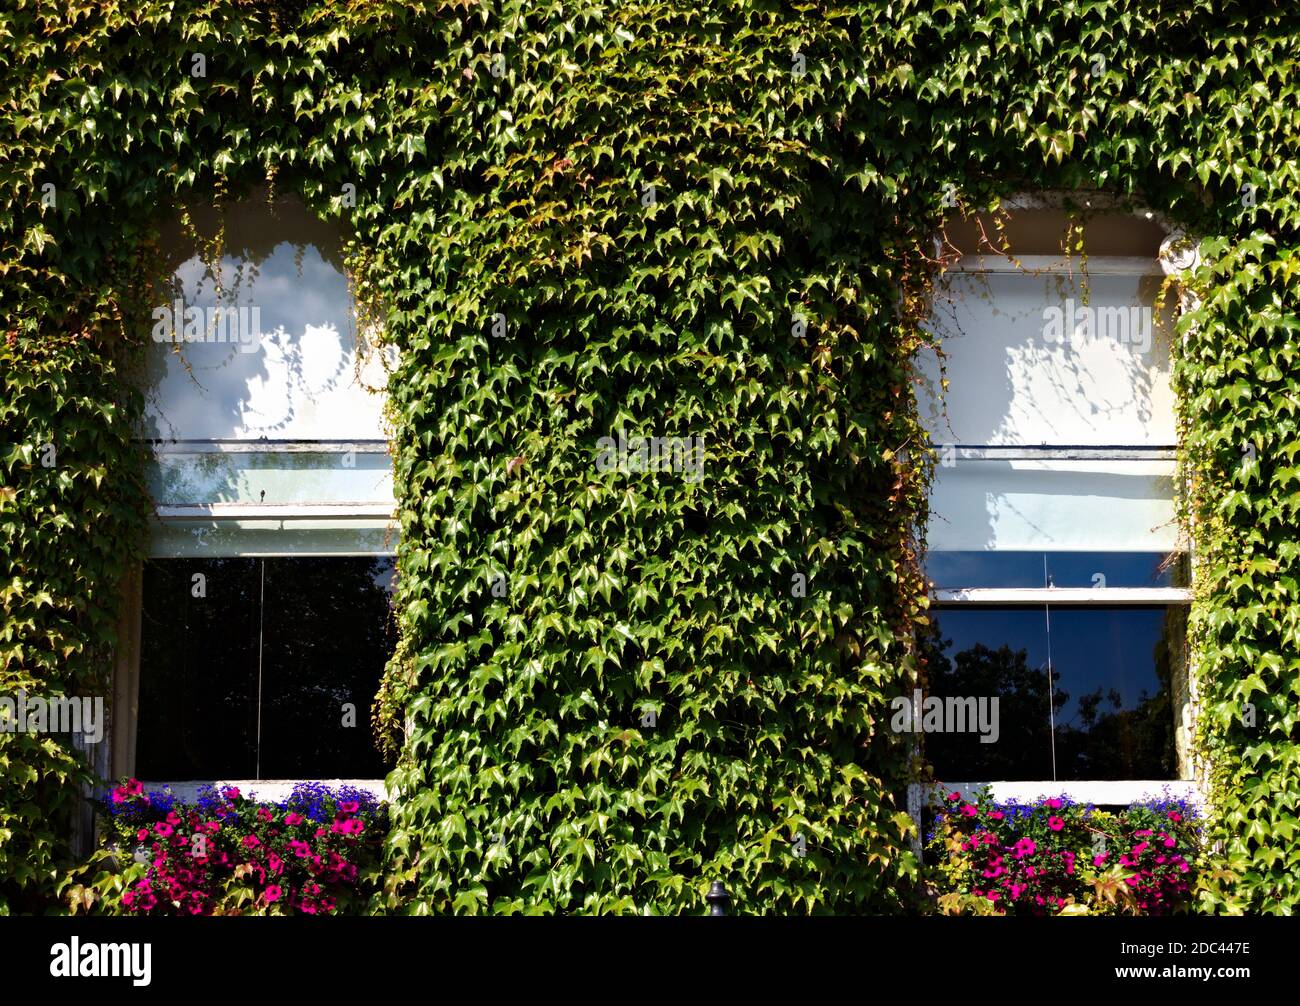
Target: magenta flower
1055	823
349	807
231	792
272	893
1175	816
292	819
996	815
1053	804
969	810
134	787
1025	847
162	828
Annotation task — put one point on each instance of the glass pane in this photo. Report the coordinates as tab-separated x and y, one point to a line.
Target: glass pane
198	670
1114	670
956	570
986	654
319	629
1049	358
263	343
1052	506
328	634
270	476
272	536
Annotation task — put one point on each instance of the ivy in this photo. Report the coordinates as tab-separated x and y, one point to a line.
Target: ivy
663	219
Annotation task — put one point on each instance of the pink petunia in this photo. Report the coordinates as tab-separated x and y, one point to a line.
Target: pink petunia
1055	823
292	819
969	810
272	893
1053	804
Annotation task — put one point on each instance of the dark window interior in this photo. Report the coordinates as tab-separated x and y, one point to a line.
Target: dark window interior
955	570
1105	712
252	679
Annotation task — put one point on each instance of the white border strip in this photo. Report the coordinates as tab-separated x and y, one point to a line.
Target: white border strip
1064	595
279	511
1023	452
1028	265
268	446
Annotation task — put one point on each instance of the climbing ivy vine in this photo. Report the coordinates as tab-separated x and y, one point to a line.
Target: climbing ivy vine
654	219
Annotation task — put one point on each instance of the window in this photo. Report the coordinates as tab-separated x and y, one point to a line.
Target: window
262	668
261	618
1059	579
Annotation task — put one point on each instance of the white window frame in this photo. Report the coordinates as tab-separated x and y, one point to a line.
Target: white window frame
1099	792
121	735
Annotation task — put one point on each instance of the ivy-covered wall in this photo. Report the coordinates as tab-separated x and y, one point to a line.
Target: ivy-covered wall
676	219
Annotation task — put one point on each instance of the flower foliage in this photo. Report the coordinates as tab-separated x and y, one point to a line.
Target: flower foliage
315	853
1057	857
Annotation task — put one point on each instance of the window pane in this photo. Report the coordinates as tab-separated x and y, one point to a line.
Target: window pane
1053	506
987	653
272	536
1114	669
1112	694
275	352
956	570
319	631
328	634
1050	358
198	670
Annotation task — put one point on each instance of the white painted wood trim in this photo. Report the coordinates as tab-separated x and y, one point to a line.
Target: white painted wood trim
1030	452
279	511
1091	265
1119	792
268	446
1064	595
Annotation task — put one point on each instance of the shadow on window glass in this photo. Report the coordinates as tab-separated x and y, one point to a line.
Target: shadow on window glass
1106	713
